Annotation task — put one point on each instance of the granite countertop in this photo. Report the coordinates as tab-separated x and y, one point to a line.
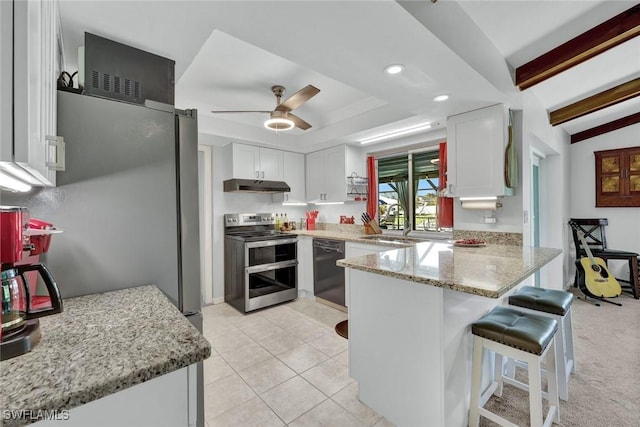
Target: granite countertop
349	237
490	271
99	345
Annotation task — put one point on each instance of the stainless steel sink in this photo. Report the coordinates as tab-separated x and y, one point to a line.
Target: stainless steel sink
380	238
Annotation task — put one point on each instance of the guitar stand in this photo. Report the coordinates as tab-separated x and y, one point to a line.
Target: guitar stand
586	298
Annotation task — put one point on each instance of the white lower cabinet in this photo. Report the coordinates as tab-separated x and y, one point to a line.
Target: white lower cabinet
165	401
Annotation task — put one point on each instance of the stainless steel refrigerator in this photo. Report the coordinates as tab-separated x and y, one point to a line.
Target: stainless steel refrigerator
127	202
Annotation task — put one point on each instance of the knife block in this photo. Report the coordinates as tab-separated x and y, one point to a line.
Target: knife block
369	229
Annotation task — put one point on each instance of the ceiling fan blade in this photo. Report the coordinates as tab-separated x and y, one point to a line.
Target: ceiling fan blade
240	111
298	121
298	98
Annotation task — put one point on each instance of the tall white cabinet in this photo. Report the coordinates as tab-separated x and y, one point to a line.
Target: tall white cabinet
30	30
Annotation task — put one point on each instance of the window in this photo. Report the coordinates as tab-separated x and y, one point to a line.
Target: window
396	197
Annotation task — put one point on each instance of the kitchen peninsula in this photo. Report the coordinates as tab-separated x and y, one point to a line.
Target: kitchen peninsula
410	312
101	359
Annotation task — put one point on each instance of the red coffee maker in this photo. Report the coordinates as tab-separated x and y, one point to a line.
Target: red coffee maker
29	291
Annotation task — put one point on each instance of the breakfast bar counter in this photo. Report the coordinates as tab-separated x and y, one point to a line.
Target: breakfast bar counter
410	311
100	345
487	270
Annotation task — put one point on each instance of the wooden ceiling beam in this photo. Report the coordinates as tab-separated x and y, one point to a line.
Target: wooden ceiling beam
607	127
596	102
593	42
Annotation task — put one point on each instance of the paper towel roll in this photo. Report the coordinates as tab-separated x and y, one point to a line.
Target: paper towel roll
487	205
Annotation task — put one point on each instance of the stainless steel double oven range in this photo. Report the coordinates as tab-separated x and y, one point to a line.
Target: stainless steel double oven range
260	263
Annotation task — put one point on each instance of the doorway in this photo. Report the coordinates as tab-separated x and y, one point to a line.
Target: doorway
535	208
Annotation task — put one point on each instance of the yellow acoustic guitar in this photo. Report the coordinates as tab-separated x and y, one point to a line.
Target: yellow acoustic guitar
594	279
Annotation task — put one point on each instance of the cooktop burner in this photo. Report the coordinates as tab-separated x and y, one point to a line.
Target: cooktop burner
252	227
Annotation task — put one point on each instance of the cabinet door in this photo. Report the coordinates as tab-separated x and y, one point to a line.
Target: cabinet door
618	177
335	174
293	174
271	164
315	182
246	161
35	69
475	153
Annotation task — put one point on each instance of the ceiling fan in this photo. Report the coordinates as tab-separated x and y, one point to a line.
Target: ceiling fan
281	118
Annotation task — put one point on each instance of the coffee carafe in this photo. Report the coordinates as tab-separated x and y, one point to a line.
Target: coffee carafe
21	273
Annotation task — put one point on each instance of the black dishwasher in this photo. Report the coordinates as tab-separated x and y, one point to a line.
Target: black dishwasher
328	278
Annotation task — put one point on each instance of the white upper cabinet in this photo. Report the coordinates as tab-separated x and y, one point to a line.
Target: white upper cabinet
476	143
6	72
36	68
327	172
250	162
294	176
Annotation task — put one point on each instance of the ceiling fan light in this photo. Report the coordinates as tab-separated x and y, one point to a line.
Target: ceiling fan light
394	69
279	123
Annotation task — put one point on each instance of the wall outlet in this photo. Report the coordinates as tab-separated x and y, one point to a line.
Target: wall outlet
490	220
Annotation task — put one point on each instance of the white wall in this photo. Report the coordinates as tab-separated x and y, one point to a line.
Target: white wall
623	231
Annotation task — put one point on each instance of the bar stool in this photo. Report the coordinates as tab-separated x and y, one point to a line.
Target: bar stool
526	337
555	305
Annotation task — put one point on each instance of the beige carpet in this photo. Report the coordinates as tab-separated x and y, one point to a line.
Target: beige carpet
605	390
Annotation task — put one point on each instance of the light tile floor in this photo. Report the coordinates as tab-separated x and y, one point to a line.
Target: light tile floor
283	365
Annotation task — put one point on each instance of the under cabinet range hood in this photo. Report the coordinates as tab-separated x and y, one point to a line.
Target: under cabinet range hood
252	186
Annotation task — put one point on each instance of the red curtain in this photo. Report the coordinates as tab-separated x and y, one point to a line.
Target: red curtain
372	202
445	204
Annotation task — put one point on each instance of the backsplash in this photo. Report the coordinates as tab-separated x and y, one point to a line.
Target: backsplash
492	237
342	228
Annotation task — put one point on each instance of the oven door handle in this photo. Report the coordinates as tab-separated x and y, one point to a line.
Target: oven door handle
271	266
273	242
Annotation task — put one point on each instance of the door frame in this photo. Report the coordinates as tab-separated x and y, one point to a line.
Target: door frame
205	177
536	159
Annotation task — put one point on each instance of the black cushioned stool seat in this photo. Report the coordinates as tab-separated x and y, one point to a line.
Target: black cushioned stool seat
513	328
538	299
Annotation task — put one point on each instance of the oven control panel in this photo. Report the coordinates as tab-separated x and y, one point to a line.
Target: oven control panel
245	219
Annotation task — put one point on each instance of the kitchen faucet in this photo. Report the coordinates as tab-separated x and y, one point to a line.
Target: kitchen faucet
407	229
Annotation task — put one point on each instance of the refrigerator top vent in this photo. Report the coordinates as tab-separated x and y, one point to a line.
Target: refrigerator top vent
125	73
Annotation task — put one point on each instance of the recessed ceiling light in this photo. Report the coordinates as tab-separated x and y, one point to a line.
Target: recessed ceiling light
394	68
441	98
